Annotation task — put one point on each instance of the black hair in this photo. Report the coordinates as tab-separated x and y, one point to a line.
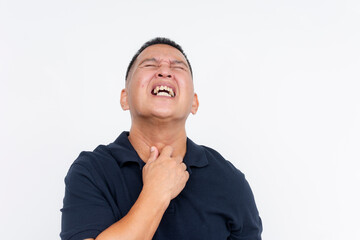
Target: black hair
158	40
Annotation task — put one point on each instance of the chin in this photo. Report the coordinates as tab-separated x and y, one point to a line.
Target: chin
162	114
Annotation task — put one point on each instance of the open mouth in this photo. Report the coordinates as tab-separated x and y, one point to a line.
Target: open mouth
163	91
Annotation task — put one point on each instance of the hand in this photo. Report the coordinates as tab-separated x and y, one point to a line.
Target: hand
164	175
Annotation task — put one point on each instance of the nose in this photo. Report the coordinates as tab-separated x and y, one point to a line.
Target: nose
164	75
164	72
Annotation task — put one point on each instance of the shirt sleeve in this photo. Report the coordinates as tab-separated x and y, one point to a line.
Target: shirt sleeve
85	212
248	224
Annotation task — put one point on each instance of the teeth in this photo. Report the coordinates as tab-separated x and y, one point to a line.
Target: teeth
169	92
163	94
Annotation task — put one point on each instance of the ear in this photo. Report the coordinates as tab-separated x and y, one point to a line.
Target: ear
124	99
195	104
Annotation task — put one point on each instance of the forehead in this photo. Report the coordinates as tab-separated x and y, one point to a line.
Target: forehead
161	52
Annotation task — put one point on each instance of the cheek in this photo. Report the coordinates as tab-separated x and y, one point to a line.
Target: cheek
138	83
188	87
142	80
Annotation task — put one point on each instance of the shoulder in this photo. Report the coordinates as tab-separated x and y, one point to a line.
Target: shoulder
220	172
100	155
92	164
216	159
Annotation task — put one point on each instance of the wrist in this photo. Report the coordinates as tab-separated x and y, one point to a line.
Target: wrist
161	201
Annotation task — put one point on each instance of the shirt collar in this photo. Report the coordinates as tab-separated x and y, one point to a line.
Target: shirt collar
195	155
123	152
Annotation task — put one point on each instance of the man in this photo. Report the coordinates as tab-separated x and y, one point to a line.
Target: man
153	182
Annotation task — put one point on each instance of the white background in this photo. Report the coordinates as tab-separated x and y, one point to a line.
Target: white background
278	83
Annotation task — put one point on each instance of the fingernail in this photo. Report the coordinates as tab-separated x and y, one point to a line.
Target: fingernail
152	149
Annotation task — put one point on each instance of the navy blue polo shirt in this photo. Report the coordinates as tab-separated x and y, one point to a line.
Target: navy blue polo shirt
216	203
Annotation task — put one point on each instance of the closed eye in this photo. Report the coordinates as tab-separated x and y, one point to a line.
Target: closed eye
179	67
150	65
177	64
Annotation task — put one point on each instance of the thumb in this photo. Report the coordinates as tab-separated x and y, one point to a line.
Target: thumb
154	153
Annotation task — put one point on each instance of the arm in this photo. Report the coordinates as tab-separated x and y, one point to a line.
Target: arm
164	178
251	225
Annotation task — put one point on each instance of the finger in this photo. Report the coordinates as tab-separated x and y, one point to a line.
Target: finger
179	159
154	153
183	166
167	151
187	175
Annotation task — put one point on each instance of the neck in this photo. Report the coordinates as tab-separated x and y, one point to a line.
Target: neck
145	134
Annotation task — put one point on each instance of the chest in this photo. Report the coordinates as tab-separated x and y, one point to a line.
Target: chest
187	218
198	212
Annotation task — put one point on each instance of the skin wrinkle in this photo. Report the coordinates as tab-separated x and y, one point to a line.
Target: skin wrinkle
175	61
156	41
158	61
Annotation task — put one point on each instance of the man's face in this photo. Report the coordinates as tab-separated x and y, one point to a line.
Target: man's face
160	85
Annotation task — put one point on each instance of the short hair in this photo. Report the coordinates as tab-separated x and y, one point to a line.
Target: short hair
154	41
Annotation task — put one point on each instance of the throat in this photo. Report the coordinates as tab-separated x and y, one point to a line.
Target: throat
143	139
